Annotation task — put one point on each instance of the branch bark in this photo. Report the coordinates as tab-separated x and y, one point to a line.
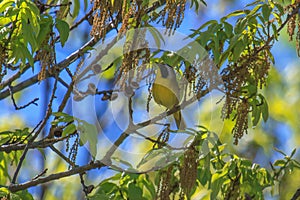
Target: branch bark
52	177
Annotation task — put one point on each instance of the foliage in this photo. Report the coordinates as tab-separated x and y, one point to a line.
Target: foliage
223	174
237	62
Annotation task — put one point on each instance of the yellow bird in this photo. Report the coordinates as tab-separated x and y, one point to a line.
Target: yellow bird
166	92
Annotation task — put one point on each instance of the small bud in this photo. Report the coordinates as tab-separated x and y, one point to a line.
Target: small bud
134	84
129	91
113	96
91	88
96	68
90	20
78	97
89	189
105	97
57	131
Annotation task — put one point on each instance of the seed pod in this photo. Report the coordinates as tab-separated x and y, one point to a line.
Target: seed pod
91	88
96	68
105	97
113	96
89	189
129	91
57	131
78	97
134	84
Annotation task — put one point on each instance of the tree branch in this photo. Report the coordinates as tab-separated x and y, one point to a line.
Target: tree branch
52	177
42	124
66	62
34	145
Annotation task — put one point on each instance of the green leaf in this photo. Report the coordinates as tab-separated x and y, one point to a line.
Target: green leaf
293	152
196	5
33	8
64	10
254	3
106	191
4	176
30	13
240	26
135	192
266	12
264	108
233	14
211	22
217	182
28	34
107	187
24	194
157	36
21	195
76	4
149	185
250	90
88	133
279	151
204	173
124	162
224	57
4	191
45	29
256	112
20	52
238	49
4	30
278	18
5	4
60	114
280	8
101	196
279	163
228	28
71	128
63	29
62	117
161	157
255	10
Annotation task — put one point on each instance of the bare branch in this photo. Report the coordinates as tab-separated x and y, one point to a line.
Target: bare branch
34	145
48	113
21	107
52	177
40	174
85	17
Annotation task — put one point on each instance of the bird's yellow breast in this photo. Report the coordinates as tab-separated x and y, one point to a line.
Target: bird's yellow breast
164	96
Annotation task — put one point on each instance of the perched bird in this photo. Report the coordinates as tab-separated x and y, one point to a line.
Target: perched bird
166	92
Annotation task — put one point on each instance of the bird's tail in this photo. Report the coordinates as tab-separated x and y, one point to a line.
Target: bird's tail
180	123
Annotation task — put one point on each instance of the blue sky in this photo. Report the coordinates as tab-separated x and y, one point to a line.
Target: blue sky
215	10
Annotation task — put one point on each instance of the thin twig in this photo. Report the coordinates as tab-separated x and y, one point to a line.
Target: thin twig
34	145
15	76
85	17
52	177
40	174
62	156
67	61
24	106
48	113
63	82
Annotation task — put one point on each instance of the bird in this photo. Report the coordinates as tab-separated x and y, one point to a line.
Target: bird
166	91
